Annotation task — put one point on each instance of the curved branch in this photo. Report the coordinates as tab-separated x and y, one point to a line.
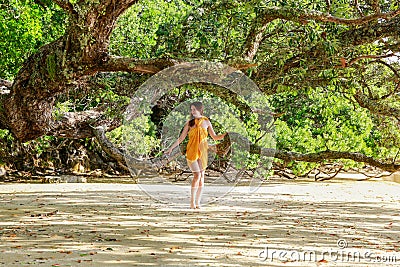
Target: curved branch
395	72
300	15
135	165
313	157
107	146
370	33
91	27
354	60
329	155
376	106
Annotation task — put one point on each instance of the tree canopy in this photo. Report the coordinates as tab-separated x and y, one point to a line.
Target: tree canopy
328	69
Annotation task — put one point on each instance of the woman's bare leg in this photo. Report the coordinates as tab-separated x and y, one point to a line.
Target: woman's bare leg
194	189
200	190
200	186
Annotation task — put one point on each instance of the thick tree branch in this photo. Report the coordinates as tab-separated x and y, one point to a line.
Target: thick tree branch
123	158
146	66
332	155
254	39
91	27
329	155
138	165
353	37
395	72
255	35
378	107
370	33
354	60
322	156
301	15
107	145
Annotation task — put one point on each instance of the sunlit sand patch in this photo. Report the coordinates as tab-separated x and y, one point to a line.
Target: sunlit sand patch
120	225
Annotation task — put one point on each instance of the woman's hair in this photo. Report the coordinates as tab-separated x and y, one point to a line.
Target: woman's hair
199	106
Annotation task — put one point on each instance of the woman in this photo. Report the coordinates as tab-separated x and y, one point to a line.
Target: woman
196	153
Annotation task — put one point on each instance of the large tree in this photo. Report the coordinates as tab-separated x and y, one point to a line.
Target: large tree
284	46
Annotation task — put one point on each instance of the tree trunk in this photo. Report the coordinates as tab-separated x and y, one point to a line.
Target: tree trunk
58	66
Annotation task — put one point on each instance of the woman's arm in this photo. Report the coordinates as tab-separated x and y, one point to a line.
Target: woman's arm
212	133
180	139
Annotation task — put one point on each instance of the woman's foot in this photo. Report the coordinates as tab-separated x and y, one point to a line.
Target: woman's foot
192	206
197	206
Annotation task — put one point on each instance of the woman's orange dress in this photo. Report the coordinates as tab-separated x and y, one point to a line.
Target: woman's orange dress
197	147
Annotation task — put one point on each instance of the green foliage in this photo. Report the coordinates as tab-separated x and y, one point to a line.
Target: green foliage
137	137
319	120
42	144
6	135
141	28
385	137
25	27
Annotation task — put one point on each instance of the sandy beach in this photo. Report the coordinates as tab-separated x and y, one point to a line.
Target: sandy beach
94	224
